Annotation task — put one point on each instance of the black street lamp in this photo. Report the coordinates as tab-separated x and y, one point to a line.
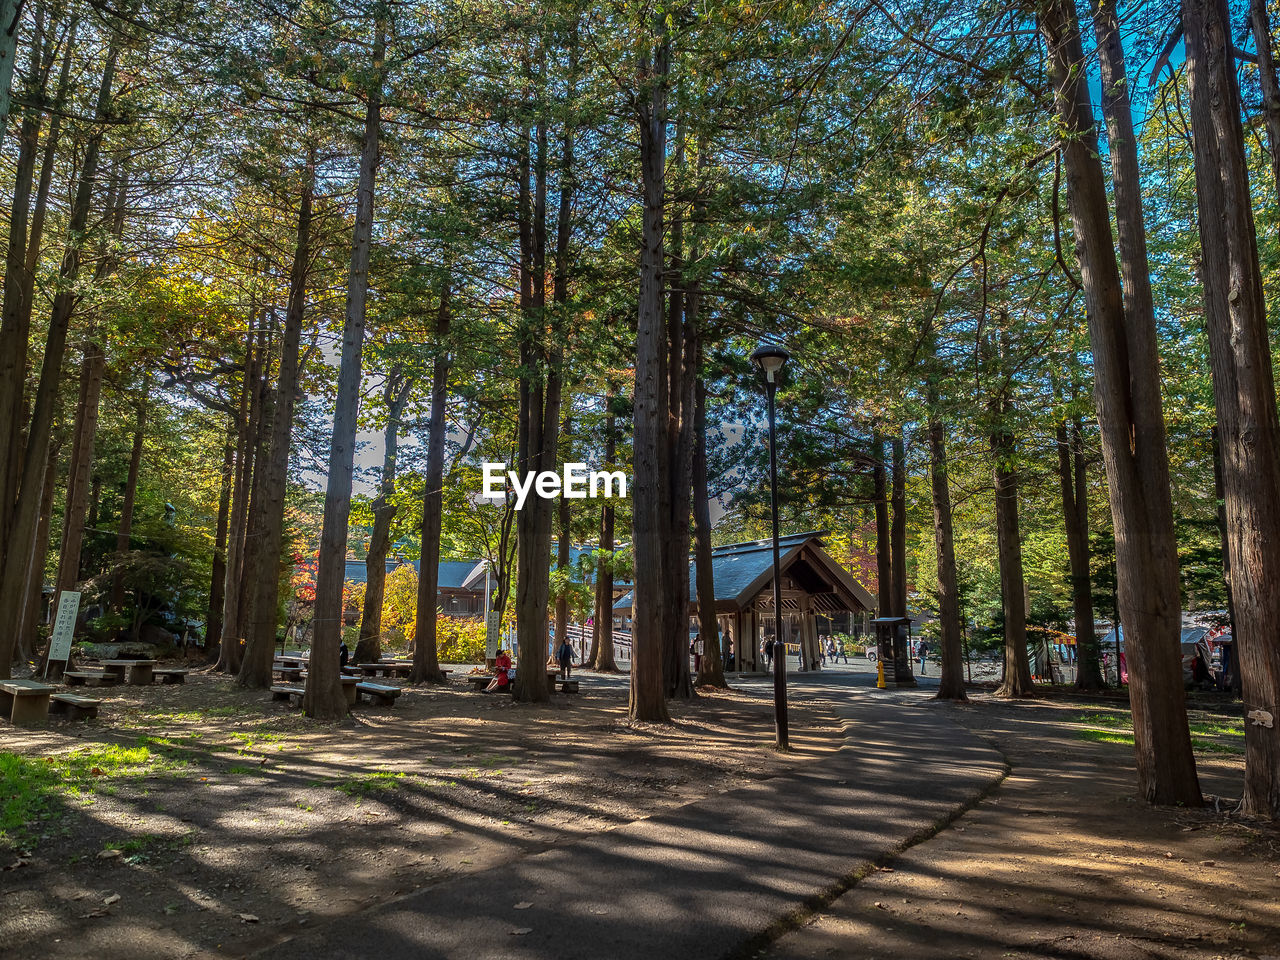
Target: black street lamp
770	357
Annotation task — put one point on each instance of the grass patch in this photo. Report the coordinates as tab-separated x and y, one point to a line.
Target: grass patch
31	787
1106	736
1218	728
1117	721
1200	745
368	784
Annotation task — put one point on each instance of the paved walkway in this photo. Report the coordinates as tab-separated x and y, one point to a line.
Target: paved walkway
708	879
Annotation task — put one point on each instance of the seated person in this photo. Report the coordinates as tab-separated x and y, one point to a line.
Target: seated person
501	677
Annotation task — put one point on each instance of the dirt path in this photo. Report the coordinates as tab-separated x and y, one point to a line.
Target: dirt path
205	820
1061	861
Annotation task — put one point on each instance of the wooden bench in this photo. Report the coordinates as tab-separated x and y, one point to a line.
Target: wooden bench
74	706
292	674
288	692
171	674
568	686
384	694
25	702
139	671
89	678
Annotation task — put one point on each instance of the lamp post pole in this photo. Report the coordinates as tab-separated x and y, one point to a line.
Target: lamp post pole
770	358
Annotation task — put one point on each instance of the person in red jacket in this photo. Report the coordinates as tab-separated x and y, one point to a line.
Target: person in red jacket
501	677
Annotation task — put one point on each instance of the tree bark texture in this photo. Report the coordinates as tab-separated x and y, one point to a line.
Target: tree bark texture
951	685
904	672
1243	387
1130	416
647	702
267	522
1017	669
711	671
564	555
218	573
426	651
28	639
92	369
229	655
1075	521
125	528
369	645
25	513
324	699
539	421
602	658
884	548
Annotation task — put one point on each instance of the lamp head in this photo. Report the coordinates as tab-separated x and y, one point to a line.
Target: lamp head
770	357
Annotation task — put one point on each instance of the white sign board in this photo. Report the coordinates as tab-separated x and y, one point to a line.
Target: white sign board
64	625
493	623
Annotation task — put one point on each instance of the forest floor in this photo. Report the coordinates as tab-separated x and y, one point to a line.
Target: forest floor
1062	861
206	820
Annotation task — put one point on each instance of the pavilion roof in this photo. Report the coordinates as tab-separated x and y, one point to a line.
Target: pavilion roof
742	570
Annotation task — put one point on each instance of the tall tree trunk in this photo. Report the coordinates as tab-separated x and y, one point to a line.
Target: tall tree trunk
602	658
426	651
369	645
218	573
91	372
676	497
19	286
10	15
1130	417
539	424
1243	387
267	523
647	702
130	496
951	686
1017	669
1232	679
229	655
564	554
1088	672
1260	24
324	699
711	672
884	549
26	509
28	640
903	672
15	317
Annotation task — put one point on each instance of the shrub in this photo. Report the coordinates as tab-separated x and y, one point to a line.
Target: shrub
458	639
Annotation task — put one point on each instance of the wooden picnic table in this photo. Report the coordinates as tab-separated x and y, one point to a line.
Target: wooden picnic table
386	668
291	661
25	702
139	671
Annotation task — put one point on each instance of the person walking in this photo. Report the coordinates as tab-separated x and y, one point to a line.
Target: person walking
565	656
768	651
922	651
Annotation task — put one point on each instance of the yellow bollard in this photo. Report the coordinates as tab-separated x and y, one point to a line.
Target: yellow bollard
879	674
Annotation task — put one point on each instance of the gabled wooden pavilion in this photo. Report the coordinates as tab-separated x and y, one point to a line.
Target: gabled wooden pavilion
814	584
